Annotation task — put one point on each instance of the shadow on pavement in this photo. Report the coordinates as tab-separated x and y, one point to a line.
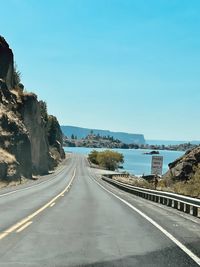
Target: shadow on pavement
173	257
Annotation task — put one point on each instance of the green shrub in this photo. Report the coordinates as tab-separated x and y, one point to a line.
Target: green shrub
107	159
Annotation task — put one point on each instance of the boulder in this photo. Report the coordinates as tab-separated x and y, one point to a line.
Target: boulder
184	167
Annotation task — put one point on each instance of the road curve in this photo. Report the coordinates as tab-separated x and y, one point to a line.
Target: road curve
87	226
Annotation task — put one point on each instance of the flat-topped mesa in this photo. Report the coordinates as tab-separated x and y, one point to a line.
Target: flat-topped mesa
6	63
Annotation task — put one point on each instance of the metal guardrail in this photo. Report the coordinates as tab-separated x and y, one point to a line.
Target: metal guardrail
183	203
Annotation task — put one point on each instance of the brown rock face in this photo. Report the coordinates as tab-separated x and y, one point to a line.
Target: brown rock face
30	139
6	63
14	137
38	137
185	167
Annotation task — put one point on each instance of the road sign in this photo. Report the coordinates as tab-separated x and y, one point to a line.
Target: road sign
156	165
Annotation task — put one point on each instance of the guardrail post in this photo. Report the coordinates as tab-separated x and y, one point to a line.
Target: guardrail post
165	201
169	203
187	208
181	206
194	211
175	204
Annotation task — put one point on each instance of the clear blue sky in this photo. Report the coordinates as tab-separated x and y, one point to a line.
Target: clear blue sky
122	65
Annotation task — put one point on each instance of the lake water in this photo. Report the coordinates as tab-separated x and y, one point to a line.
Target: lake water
135	161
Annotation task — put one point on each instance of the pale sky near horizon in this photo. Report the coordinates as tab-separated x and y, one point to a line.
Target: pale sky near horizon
122	65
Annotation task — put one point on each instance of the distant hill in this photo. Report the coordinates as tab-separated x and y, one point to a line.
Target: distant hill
127	138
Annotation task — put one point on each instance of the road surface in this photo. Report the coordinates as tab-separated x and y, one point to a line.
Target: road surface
52	224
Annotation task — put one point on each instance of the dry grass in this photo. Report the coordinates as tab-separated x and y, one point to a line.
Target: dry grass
135	181
4	183
6	157
11	117
18	93
55	154
188	188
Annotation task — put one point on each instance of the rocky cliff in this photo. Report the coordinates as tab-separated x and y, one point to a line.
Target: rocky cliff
6	64
184	174
30	139
186	166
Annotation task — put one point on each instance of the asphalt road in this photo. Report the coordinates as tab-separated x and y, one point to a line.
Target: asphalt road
87	226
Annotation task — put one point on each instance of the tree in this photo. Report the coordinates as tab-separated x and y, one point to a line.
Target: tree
93	156
110	159
107	159
72	136
16	75
43	110
53	130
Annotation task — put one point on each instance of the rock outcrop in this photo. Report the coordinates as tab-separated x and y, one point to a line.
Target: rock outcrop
35	125
185	167
6	63
26	143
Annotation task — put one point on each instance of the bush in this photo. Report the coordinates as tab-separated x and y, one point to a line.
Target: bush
107	159
93	157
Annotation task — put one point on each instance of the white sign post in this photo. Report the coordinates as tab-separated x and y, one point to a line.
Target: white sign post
156	165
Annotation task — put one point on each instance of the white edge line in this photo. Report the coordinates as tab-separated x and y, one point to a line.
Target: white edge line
165	232
23	227
32	186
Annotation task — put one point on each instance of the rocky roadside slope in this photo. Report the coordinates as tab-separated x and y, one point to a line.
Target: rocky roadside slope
30	139
183	175
185	167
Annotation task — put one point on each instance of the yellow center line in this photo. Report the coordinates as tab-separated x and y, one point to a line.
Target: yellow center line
23	227
28	218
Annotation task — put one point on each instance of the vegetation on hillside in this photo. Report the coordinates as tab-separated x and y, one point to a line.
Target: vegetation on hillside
107	159
189	187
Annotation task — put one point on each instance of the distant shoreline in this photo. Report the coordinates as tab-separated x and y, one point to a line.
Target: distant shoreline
144	147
